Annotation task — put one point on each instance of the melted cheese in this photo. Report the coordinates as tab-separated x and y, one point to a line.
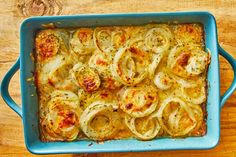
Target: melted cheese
119	82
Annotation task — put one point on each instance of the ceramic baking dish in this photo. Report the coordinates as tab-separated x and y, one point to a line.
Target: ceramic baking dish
29	110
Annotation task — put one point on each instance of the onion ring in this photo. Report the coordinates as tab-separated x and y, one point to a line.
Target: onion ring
173	124
129	66
61	121
147	134
99	108
82	41
138	101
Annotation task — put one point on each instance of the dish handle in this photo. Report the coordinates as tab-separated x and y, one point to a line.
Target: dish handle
5	85
232	87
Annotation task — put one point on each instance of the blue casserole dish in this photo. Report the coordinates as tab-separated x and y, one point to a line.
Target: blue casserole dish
29	110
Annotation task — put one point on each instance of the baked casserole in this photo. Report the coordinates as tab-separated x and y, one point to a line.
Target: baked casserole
119	82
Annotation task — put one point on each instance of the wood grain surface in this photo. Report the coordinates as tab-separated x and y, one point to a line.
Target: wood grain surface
12	12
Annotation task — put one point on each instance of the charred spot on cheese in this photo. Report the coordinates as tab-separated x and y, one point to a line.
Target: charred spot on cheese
69	119
89	84
138	101
101	62
47	45
104	95
84	35
183	59
86	77
128	106
137	51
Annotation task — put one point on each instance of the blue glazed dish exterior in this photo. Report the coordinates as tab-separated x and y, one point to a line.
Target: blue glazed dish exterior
30	103
30	108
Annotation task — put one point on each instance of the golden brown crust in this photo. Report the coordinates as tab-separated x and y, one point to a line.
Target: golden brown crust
47	45
189	33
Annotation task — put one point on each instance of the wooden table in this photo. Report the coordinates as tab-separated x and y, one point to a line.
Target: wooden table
12	12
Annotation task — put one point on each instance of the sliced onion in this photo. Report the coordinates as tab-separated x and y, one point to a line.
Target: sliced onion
197	64
171	62
197	94
55	72
100	61
50	67
137	42
102	40
65	96
149	133
198	114
187	61
50	43
61	122
128	67
172	125
118	38
95	109
156	58
158	39
138	101
59	72
109	39
130	64
102	64
82	41
47	44
86	77
182	82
